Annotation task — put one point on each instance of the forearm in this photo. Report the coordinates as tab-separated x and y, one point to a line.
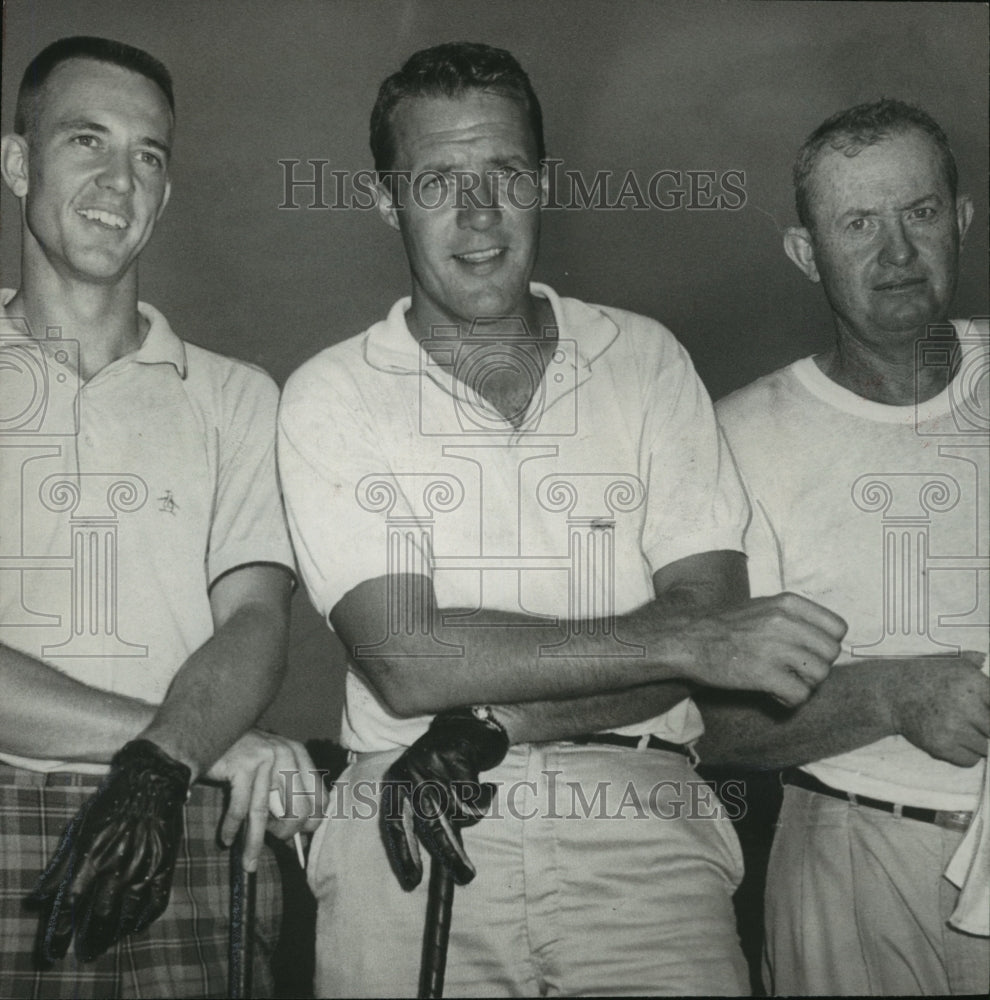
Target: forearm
514	658
48	715
533	722
849	709
222	689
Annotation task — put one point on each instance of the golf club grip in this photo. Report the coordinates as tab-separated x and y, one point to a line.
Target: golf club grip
436	931
242	893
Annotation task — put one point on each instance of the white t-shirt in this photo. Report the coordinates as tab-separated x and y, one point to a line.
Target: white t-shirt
879	513
389	465
124	499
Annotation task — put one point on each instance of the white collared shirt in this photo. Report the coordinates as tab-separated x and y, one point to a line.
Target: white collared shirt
616	470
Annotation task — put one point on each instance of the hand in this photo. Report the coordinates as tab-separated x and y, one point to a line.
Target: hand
783	646
942	705
258	764
112	872
433	789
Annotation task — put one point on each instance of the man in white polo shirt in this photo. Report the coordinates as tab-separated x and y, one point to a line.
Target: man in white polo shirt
550	475
866	468
145	569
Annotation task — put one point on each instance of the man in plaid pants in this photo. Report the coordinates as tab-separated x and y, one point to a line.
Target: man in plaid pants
146	569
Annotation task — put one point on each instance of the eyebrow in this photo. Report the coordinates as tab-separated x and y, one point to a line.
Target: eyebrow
82	124
492	163
853	212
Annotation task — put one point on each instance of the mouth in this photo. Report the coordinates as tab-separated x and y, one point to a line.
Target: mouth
480	256
104	218
899	286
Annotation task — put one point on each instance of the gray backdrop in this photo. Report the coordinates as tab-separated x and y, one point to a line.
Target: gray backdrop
631	86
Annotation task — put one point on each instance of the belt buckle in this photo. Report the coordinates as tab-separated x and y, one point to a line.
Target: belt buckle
953	820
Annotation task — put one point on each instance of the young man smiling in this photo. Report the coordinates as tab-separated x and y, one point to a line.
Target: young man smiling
146	570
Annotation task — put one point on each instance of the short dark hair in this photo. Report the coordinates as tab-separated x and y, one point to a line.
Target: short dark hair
849	131
104	50
450	70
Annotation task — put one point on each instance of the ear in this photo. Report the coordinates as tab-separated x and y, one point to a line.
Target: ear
386	204
14	163
544	186
964	215
165	198
799	246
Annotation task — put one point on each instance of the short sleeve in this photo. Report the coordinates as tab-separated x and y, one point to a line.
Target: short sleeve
337	485
695	500
248	523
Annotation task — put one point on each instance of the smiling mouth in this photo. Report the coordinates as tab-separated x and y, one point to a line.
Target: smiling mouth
898	286
480	256
109	220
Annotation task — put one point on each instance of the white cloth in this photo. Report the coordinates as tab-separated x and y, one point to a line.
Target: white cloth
124	499
969	870
875	512
619	447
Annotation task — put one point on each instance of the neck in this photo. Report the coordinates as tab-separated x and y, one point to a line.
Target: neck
889	373
506	386
103	319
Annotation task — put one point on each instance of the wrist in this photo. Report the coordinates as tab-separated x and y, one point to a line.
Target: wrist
487	737
171	749
144	755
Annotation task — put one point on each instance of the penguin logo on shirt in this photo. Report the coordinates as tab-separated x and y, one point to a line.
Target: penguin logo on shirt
167	504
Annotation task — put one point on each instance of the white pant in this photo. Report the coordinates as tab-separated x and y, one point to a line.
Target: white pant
857	904
585	888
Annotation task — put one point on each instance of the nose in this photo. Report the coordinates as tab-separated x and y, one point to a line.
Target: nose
117	173
898	249
478	203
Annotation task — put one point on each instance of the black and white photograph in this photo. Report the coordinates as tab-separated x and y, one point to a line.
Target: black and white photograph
494	498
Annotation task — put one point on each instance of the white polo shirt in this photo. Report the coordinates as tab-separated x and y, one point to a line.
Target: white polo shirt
391	465
124	499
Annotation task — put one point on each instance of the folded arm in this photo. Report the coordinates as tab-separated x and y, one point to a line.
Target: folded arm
780	645
46	714
939	703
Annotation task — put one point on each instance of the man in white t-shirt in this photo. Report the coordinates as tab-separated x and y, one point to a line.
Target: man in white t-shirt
867	472
512	500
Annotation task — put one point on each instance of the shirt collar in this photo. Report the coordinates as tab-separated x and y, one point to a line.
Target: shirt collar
160	346
390	347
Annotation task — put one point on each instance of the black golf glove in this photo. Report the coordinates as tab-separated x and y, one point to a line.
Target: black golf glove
112	872
432	790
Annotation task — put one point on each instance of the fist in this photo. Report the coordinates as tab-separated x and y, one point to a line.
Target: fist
783	646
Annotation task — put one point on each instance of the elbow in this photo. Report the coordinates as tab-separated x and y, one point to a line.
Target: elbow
399	689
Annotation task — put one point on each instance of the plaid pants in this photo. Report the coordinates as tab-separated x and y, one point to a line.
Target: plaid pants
184	953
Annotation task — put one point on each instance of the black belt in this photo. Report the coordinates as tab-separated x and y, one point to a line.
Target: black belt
940	817
632	742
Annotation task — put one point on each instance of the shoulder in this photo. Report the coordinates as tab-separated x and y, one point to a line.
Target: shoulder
230	378
333	368
767	394
622	337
